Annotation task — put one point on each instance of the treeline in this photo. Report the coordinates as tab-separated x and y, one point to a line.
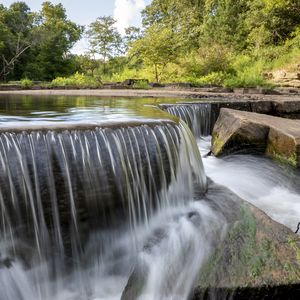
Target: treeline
219	42
36	45
223	42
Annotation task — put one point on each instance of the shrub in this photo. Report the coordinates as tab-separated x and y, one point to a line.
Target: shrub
26	83
141	84
214	79
207	60
77	80
132	73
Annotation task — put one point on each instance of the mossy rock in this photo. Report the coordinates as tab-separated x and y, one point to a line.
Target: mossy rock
244	132
258	259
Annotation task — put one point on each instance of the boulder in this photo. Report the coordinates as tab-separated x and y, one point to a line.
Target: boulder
257	258
247	132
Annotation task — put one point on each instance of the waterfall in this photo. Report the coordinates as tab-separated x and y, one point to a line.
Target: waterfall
67	196
199	117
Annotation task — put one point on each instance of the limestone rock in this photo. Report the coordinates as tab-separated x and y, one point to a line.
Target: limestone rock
244	132
259	259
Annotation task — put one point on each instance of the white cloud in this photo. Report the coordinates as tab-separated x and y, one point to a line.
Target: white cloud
128	13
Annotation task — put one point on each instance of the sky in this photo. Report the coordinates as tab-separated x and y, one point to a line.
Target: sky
126	12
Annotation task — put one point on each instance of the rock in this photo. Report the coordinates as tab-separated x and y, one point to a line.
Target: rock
244	132
287	107
285	78
156	85
262	107
132	81
257	258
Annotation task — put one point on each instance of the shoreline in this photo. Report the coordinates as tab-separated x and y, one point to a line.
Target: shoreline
192	93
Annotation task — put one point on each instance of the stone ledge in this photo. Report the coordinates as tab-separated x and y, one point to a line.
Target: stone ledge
244	132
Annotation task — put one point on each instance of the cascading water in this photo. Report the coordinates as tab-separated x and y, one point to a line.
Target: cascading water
199	117
110	212
79	209
271	187
258	180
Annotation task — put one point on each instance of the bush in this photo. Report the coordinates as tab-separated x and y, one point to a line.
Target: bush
214	79
247	71
132	73
26	83
141	85
77	80
207	60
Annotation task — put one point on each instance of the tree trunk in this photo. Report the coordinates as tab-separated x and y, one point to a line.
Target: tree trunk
156	73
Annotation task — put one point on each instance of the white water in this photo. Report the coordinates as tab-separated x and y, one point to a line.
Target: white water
162	255
176	239
260	181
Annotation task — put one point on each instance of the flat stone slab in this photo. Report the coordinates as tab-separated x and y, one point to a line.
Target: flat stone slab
247	132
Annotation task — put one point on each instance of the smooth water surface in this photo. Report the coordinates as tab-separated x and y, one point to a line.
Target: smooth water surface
44	109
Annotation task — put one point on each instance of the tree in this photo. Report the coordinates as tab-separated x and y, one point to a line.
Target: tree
51	56
17	35
184	17
131	35
223	23
157	48
104	39
271	22
36	45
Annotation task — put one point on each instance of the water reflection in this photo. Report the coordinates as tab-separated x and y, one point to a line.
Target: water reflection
15	108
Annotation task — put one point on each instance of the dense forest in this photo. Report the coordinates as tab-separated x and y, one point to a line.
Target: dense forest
216	42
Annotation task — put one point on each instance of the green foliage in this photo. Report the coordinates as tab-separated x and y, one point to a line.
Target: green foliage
207	42
271	22
76	81
247	73
213	79
26	83
36	45
104	38
206	60
157	48
141	85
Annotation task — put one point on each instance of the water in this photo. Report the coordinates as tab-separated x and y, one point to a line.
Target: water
199	117
271	187
115	204
47	109
79	207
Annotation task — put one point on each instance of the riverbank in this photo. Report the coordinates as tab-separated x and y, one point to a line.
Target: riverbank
187	93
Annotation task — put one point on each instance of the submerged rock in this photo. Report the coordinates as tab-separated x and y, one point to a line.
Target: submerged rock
244	132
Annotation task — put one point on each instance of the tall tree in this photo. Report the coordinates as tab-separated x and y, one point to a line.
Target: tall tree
51	56
157	48
131	35
271	22
104	39
17	36
182	16
223	23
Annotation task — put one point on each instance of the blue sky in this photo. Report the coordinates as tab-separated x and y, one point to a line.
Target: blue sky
126	12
